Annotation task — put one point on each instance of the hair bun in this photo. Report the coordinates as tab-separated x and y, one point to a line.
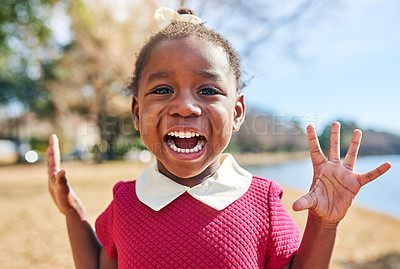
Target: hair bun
185	11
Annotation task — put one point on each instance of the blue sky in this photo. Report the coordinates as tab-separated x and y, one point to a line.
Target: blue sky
349	69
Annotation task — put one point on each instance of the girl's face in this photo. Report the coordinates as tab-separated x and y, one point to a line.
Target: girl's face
186	107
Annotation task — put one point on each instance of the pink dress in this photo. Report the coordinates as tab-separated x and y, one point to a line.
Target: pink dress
255	231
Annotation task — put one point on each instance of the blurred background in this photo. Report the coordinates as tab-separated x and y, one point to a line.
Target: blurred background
65	64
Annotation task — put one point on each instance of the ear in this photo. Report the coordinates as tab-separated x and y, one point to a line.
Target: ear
239	112
135	111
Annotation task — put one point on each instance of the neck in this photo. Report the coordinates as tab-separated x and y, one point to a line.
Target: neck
190	181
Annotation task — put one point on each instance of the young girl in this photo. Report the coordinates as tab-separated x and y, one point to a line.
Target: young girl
196	207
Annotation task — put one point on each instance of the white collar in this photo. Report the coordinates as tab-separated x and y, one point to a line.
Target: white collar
228	184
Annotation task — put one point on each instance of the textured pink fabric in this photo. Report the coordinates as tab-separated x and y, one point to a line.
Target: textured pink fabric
254	232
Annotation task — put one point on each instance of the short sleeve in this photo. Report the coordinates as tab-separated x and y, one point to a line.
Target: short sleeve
284	232
105	227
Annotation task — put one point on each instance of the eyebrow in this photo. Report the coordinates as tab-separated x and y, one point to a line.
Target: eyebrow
159	74
167	73
206	74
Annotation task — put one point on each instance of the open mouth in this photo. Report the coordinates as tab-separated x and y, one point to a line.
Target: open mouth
185	142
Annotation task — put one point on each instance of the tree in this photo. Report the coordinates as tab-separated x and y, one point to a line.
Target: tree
24	36
97	61
26	60
262	132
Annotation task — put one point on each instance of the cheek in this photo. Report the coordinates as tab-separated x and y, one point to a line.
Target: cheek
147	125
150	118
222	121
223	113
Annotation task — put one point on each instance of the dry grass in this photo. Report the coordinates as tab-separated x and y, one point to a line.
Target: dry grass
33	233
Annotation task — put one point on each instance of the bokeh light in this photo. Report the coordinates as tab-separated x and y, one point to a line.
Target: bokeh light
31	156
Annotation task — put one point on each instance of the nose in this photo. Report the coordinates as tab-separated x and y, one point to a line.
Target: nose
185	105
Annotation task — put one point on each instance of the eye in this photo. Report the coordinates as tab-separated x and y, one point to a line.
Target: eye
209	90
162	90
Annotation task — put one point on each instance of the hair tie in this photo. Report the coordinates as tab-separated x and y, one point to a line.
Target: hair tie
164	14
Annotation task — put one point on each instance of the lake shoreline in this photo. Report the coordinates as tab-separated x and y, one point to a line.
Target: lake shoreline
269	158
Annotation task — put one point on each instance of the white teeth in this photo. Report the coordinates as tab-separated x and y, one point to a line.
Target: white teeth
184	134
197	148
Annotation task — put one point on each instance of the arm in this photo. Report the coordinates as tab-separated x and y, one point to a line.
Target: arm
333	189
86	249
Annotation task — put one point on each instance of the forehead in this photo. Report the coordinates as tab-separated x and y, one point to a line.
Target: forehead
188	54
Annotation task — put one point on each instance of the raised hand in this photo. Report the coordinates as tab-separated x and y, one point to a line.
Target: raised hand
334	183
62	194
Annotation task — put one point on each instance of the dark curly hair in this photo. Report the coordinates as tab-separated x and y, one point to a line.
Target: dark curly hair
180	30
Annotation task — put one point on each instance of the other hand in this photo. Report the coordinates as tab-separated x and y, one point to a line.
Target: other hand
62	194
334	183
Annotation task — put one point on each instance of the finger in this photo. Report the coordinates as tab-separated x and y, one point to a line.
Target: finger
303	203
49	161
56	151
351	155
53	157
334	143
317	157
373	174
51	170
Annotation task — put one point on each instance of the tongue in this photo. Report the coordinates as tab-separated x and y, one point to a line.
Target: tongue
186	143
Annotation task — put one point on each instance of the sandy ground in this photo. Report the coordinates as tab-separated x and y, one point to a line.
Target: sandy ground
33	232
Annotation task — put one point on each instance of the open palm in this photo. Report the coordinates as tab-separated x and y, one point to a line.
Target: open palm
334	183
62	194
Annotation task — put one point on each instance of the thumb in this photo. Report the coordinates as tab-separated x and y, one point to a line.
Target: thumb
303	203
61	177
62	182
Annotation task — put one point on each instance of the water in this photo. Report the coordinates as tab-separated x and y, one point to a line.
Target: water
381	195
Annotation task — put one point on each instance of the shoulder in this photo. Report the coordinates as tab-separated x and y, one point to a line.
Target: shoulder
268	186
123	193
123	188
263	193
122	185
